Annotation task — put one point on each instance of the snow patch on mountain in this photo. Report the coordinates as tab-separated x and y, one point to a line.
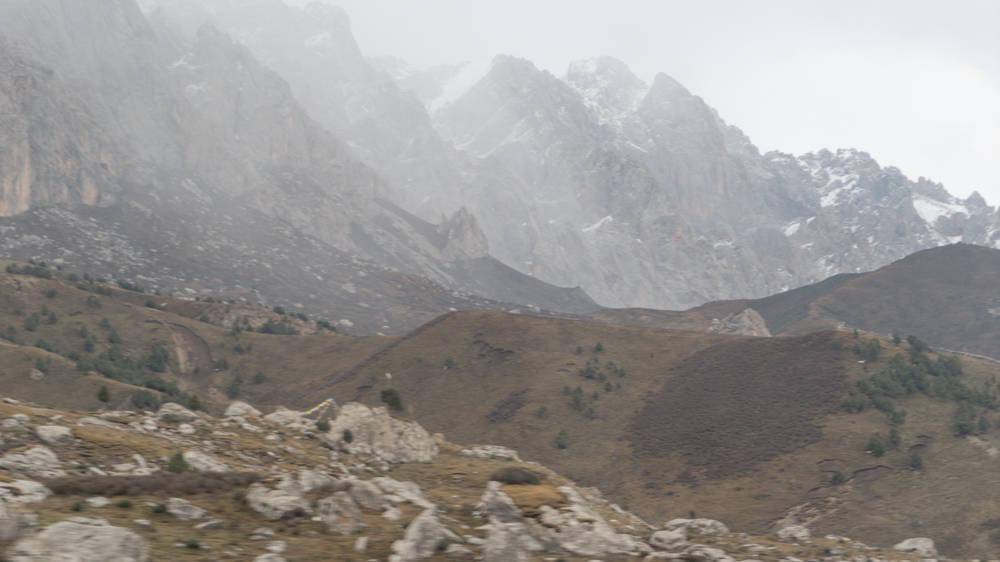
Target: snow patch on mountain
598	224
931	210
607	87
456	85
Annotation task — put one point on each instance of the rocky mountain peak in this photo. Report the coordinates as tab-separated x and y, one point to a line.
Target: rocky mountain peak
665	88
463	237
516	103
608	87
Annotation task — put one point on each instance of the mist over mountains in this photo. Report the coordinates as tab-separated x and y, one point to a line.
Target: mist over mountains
261	140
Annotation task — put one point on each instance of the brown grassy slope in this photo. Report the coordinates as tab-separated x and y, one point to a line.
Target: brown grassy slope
949	296
203	359
746	430
944	295
738	403
509	377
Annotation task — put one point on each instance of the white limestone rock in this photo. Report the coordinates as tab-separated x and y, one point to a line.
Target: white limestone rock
81	539
202	462
374	432
54	434
921	546
242	410
175	413
35	462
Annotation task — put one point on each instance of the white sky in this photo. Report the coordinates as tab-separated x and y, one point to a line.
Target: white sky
914	82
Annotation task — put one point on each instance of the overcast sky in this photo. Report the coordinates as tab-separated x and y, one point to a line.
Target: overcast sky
915	83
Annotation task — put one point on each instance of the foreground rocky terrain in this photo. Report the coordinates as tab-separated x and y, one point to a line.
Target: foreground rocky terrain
347	483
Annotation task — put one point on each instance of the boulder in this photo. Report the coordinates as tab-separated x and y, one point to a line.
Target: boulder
184	510
795	533
674	539
81	539
491	452
706	527
23	491
36	462
54	434
175	413
98	501
509	542
584	532
340	514
399	492
201	462
366	494
242	410
424	537
289	418
374	432
15	524
308	481
702	553
921	546
496	504
275	504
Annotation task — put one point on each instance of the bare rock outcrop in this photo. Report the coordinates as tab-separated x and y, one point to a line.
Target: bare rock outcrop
424	537
374	432
274	504
36	462
81	539
748	322
920	546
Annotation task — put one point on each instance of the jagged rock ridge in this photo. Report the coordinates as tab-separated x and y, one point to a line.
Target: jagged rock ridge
205	165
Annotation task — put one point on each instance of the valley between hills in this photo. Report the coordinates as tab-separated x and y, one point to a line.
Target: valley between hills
846	431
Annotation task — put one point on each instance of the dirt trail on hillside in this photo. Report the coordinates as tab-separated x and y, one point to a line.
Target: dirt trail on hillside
193	353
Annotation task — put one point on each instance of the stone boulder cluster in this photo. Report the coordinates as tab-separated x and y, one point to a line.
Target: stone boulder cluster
372	485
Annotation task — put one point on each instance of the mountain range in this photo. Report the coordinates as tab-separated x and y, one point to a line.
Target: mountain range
639	193
183	164
260	132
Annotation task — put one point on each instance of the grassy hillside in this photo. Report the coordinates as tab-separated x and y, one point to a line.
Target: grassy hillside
948	296
62	340
753	431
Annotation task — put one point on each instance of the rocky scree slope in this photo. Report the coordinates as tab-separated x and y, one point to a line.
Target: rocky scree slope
180	485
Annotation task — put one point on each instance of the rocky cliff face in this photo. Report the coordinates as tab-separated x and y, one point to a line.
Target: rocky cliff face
638	193
205	153
644	196
385	126
51	150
